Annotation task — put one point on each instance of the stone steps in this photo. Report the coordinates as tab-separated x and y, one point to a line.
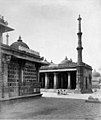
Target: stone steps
56	90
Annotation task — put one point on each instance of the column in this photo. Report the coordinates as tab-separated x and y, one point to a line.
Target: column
22	75
5	78
69	86
20	80
55	80
37	70
87	82
84	83
77	81
1	76
38	75
46	81
42	81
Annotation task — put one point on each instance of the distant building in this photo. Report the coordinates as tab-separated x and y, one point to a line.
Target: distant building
19	67
68	74
96	80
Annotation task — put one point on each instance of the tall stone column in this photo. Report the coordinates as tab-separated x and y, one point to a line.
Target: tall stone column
38	75
42	82
88	82
22	75
69	81
22	70
46	81
55	81
84	83
5	78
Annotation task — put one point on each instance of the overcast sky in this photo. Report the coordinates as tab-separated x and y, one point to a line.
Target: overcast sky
51	26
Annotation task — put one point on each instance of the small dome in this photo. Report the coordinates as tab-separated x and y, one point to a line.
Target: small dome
19	43
65	61
51	64
95	74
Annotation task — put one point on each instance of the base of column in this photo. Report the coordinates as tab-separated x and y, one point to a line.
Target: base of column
46	87
84	91
0	95
78	91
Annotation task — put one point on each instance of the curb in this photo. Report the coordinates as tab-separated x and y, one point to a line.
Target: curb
21	97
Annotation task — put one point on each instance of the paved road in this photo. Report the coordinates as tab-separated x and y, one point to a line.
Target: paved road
50	108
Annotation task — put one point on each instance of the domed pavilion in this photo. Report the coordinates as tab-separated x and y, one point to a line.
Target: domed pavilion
19	67
18	43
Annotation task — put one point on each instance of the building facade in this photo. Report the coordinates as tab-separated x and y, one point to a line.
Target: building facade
19	67
68	74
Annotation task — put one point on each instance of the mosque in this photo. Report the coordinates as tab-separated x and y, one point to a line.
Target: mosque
68	74
23	71
19	67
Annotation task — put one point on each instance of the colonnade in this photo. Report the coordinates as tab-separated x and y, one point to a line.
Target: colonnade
56	80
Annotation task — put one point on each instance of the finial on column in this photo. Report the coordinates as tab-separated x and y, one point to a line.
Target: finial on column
7	39
66	58
79	19
51	61
19	39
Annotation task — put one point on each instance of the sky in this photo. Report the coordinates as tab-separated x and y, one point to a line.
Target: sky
50	27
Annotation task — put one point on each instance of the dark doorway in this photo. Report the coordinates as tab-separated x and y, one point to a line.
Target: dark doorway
59	80
51	80
73	80
65	80
42	80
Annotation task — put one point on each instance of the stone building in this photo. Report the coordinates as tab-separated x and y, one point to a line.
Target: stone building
96	80
68	74
19	67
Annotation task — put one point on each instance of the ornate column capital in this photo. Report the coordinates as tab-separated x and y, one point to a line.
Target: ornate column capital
8	58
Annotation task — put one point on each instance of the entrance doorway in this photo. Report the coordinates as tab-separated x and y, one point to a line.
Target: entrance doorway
73	80
51	80
42	80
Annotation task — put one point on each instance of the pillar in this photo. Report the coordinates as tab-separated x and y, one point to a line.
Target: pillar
38	75
84	83
5	78
46	81
21	79
55	80
42	81
22	75
88	82
77	81
69	82
37	70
